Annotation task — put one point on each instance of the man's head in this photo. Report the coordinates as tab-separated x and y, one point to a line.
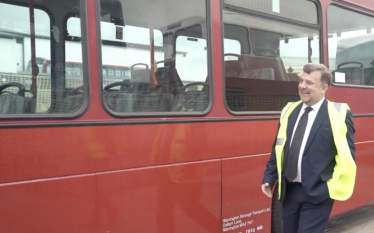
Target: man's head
314	82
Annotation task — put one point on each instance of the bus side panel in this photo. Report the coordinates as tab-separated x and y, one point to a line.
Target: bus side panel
174	198
364	127
244	207
79	150
358	99
54	205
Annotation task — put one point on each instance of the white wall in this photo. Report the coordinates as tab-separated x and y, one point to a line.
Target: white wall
42	49
8	57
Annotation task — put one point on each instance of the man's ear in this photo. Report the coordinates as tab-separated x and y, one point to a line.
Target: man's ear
325	87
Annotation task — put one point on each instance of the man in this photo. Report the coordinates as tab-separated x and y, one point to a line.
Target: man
313	155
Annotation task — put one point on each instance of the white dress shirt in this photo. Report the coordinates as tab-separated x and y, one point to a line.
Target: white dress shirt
311	117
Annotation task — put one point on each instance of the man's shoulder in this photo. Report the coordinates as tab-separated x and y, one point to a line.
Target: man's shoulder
339	106
290	106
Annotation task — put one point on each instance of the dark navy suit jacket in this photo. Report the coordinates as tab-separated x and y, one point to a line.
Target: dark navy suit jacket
318	160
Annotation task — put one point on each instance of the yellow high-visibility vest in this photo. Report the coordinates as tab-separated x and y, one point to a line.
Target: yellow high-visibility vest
342	183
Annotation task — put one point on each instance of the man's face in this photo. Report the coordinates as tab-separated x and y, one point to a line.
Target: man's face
311	89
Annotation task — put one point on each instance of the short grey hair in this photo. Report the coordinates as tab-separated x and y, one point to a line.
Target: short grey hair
326	76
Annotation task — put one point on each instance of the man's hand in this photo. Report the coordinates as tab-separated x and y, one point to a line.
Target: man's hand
266	190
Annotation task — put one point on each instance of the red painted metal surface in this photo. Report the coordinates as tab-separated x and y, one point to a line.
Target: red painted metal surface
244	206
92	150
216	30
368	5
175	198
357	98
54	205
80	150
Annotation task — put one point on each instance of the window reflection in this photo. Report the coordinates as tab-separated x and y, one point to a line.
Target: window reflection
154	60
351	45
262	74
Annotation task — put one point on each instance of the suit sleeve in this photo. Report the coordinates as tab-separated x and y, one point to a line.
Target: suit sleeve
271	174
350	133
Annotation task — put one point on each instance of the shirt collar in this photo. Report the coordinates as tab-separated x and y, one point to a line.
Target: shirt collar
315	107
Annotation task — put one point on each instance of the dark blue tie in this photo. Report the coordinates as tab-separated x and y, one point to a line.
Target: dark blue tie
294	151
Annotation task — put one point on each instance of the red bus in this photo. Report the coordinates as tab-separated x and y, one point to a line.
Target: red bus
180	145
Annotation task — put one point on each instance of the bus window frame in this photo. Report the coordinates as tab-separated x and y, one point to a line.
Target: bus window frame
248	12
85	68
248	43
112	113
355	10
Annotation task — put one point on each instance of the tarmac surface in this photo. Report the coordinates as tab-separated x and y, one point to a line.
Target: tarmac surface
358	221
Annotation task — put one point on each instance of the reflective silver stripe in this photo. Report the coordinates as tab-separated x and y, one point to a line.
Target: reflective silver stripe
338	106
279	141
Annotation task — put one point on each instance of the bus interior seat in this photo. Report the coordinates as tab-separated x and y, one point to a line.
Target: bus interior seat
191	101
156	101
275	63
72	103
233	68
264	73
369	76
293	77
11	103
126	99
163	78
29	105
139	102
140	78
120	101
206	87
139	97
168	79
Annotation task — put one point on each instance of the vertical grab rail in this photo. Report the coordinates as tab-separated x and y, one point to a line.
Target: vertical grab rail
154	83
34	67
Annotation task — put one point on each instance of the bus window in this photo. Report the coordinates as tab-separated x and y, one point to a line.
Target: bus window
73	64
191	52
34	78
231	47
351	46
16	94
110	72
306	54
104	72
126	73
166	53
265	74
118	73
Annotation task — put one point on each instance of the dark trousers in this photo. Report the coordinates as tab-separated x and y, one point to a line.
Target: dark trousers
302	216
